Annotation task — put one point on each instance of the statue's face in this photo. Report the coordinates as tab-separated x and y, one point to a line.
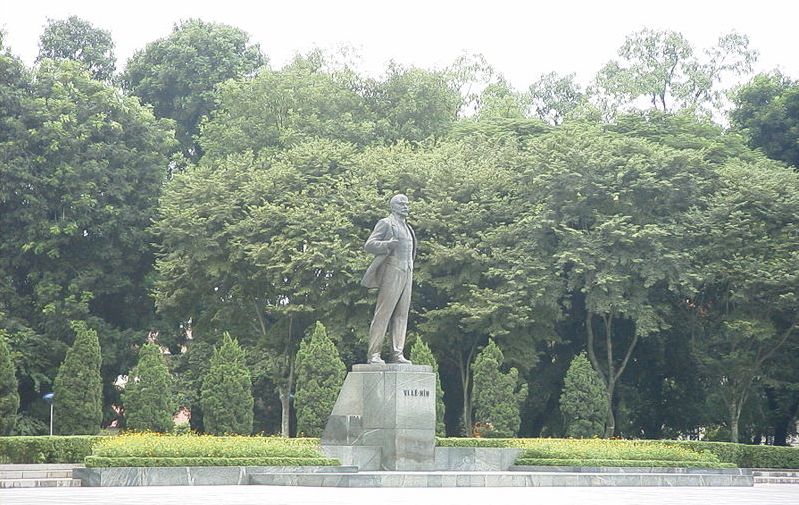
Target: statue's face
400	206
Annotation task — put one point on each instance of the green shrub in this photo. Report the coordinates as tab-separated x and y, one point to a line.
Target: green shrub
154	445
422	355
9	394
226	395
582	401
78	387
497	395
740	455
102	461
45	449
746	456
320	374
639	463
147	397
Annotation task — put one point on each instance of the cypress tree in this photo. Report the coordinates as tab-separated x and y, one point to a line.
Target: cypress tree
147	397
226	394
320	374
582	402
497	395
78	387
9	389
422	355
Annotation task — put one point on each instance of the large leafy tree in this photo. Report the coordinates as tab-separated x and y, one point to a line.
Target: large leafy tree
148	396
767	113
746	299
278	109
662	67
413	104
177	75
264	247
78	389
320	374
81	175
595	227
78	40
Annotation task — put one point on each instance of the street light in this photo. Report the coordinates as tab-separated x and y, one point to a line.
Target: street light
49	399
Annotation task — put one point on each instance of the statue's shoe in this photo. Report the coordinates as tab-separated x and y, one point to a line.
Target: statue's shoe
401	360
376	360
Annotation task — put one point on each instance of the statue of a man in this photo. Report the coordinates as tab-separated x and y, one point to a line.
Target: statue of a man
394	245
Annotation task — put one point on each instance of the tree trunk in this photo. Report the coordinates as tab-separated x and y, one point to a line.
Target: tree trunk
285	402
465	366
285	406
610	423
735	415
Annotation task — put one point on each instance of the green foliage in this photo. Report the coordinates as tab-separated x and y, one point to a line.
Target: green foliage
9	395
422	355
78	40
55	449
79	183
767	113
226	396
662	67
78	389
582	401
638	463
143	445
320	374
497	394
101	461
177	75
148	395
554	97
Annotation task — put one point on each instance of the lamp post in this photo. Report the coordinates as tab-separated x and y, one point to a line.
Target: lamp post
49	399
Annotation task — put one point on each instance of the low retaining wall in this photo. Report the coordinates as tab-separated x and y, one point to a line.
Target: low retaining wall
189	475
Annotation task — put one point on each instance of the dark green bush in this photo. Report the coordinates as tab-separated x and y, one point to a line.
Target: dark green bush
44	449
102	461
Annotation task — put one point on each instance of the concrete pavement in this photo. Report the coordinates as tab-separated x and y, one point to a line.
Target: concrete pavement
271	495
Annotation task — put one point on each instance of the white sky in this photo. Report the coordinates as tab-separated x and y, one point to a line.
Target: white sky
522	39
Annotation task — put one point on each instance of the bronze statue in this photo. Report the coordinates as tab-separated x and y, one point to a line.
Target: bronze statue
393	243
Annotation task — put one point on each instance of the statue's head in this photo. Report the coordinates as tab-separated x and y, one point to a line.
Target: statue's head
399	205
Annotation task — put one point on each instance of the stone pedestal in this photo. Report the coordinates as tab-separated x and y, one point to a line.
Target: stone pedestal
385	414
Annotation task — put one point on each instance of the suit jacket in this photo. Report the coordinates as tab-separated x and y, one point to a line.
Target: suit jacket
377	244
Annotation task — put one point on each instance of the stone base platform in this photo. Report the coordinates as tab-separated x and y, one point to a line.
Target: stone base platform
506	479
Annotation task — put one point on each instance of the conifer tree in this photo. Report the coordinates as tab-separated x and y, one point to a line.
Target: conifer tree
9	393
320	374
78	387
422	355
147	397
582	401
497	395
226	394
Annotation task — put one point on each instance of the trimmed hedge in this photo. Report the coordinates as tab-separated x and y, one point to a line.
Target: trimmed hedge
746	456
102	461
153	449
740	455
639	463
46	449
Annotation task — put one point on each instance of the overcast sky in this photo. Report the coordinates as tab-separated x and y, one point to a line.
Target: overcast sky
522	39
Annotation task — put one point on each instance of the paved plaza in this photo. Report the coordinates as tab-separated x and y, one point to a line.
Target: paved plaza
270	495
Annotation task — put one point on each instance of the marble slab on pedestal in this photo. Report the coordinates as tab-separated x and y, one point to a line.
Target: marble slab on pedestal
390	408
